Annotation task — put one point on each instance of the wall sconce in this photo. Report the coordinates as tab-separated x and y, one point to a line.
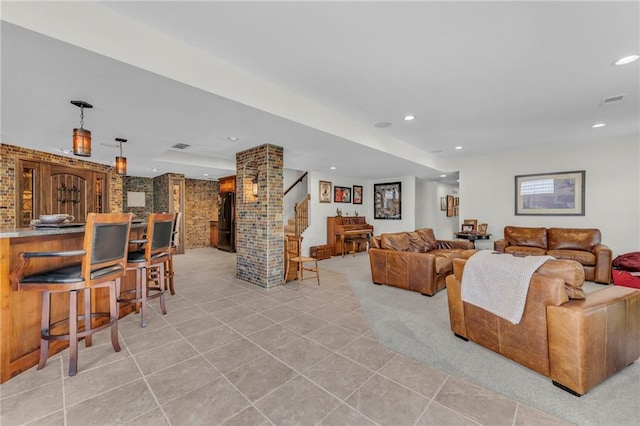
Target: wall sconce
82	136
254	185
121	162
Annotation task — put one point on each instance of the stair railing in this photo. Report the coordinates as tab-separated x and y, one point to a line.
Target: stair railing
301	215
295	183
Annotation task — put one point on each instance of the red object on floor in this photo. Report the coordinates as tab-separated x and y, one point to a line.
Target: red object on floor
624	278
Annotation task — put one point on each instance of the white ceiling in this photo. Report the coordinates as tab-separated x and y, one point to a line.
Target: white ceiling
315	78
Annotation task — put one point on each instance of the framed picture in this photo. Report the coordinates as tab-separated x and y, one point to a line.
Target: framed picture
357	194
450	206
341	194
325	191
482	228
550	194
472	222
387	201
467	227
443	204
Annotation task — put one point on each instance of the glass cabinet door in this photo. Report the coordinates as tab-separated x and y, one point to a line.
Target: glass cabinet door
27	193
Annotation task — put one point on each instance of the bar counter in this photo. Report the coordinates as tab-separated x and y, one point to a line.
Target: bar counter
20	310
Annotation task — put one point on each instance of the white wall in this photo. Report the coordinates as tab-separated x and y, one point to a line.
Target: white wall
486	191
612	196
428	213
295	195
316	234
407	207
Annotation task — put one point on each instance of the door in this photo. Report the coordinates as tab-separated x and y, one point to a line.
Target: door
226	213
176	205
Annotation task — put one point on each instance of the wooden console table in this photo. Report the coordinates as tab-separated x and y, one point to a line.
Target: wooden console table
472	237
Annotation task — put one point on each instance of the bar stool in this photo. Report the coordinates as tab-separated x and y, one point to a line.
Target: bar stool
103	264
149	265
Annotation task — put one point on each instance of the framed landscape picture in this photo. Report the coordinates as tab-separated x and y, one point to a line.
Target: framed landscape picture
341	194
387	200
325	192
357	194
550	194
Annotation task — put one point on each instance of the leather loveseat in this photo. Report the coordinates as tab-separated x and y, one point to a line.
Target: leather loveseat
414	260
577	343
580	244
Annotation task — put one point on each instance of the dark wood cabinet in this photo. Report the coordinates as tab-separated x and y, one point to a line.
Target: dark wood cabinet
213	233
46	188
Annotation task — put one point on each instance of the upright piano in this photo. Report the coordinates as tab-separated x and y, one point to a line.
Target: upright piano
341	227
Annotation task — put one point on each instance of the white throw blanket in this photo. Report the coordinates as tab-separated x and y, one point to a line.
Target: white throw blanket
499	283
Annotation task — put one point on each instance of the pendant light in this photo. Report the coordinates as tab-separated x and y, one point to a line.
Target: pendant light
121	162
82	136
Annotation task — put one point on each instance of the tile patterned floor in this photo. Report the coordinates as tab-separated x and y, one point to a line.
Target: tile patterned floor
229	353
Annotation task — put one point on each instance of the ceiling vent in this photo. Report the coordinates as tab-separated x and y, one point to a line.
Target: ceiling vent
611	101
181	146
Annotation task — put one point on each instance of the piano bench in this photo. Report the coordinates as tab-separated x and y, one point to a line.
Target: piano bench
321	252
355	242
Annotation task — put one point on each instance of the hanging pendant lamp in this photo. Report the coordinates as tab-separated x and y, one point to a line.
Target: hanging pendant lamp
121	162
82	136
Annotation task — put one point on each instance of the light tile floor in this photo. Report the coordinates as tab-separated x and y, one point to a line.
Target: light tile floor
231	353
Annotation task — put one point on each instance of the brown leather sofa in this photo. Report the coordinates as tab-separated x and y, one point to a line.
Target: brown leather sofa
414	260
580	244
577	343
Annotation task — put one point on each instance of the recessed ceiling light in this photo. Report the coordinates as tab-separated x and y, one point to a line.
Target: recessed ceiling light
443	175
458	148
626	60
409	117
154	170
205	174
598	125
233	138
332	167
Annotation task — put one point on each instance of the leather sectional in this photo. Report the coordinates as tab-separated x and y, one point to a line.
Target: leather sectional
577	343
579	244
414	260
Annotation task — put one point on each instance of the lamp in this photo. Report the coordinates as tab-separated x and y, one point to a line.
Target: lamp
82	136
254	185
121	162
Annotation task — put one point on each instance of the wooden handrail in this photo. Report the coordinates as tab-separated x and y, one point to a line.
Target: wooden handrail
301	215
295	183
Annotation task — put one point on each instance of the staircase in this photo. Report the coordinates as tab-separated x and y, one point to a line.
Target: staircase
300	220
297	224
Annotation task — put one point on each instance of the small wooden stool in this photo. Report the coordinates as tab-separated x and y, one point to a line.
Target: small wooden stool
355	242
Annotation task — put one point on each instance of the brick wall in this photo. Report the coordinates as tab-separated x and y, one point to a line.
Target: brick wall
9	155
161	193
260	231
200	207
139	184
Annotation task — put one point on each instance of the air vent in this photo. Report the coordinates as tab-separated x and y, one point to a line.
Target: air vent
613	100
181	146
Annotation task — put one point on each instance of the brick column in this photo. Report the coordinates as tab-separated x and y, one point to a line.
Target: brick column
260	230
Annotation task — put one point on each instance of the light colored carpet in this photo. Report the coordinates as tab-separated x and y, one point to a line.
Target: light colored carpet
418	326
